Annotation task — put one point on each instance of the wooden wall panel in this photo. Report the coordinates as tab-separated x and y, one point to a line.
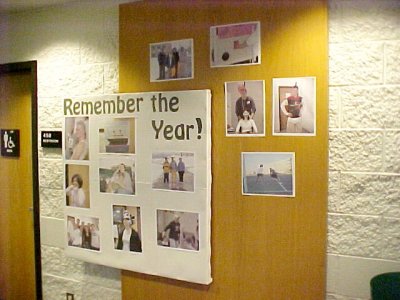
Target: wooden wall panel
262	247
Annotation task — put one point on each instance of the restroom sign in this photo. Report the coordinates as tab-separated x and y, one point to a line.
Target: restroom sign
51	139
10	142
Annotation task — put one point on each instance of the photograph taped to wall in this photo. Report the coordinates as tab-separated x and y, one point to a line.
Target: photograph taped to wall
159	124
117	174
173	171
244	108
294	106
117	135
268	173
171	60
77	185
76	138
83	232
178	229
127	228
235	44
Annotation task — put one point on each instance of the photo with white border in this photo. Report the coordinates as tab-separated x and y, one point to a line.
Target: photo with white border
294	106
127	226
173	171
244	108
83	232
117	174
235	44
117	135
268	173
178	229
76	143
77	185
171	60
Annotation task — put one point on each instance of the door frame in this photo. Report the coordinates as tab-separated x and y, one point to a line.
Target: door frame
31	67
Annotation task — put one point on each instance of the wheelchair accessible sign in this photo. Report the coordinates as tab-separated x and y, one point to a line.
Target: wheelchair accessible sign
10	142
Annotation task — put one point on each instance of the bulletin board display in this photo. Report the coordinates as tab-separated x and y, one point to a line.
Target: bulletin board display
138	182
263	246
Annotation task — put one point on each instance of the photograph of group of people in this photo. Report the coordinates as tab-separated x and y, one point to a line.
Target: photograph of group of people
127	228
171	60
83	232
268	173
117	174
173	171
178	229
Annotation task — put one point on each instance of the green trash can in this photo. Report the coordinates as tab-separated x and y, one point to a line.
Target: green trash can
386	286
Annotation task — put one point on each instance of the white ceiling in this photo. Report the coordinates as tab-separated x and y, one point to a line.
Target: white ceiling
20	5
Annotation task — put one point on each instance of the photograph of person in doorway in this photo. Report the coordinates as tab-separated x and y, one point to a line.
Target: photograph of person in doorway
294	106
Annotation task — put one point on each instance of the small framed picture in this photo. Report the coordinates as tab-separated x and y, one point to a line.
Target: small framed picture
268	174
294	111
172	60
235	44
244	108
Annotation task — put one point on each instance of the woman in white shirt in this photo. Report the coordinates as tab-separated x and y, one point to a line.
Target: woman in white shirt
75	192
246	125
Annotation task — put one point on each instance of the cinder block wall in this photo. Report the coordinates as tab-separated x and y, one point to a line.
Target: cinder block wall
76	47
364	167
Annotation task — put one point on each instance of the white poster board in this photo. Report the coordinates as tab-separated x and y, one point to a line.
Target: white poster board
138	182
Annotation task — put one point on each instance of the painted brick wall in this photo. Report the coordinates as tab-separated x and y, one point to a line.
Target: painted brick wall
77	51
76	47
364	165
